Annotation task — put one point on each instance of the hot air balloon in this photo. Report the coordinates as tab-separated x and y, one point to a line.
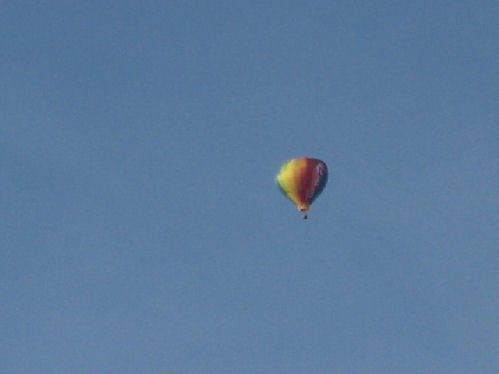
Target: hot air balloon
301	180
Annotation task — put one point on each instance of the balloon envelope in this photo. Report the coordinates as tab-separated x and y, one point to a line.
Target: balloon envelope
302	180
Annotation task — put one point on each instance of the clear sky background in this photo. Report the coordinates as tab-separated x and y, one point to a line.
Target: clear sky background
141	229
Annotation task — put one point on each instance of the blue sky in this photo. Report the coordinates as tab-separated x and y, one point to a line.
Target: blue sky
141	229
